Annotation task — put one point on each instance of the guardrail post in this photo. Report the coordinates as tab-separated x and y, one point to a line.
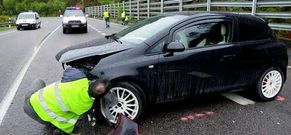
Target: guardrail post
101	7
148	8
9	22
137	4
254	7
98	10
110	11
114	9
94	11
118	14
130	8
123	5
208	5
180	5
162	6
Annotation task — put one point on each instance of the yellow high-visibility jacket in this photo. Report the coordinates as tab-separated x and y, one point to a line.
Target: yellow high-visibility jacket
123	14
62	104
106	14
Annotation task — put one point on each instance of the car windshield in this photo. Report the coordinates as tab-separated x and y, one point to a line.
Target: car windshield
73	13
26	16
147	28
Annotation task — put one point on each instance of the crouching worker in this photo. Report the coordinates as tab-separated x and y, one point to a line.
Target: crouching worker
62	103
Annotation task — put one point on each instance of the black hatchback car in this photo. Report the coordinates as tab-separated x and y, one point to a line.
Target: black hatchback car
178	56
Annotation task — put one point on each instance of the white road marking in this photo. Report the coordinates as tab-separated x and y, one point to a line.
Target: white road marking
2	34
93	28
289	67
104	34
7	100
111	23
238	99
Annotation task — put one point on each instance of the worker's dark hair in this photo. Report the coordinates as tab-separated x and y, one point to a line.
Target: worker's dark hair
94	83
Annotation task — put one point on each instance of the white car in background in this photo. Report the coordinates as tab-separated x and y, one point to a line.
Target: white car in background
74	19
28	20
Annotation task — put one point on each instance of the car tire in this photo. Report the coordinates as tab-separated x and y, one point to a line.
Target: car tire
18	28
130	93
85	30
64	31
270	84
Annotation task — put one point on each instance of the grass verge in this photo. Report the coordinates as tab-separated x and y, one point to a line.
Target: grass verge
7	28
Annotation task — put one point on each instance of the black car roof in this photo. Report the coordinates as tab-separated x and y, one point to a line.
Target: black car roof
193	14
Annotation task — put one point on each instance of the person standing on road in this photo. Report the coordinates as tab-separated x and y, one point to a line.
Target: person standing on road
123	17
126	20
62	103
106	17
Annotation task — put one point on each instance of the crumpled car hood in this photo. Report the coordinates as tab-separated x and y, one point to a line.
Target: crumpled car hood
92	48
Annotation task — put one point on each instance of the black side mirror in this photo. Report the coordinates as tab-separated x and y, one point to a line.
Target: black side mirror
174	47
109	36
37	18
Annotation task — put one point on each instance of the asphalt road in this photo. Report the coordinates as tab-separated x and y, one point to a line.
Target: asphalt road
183	117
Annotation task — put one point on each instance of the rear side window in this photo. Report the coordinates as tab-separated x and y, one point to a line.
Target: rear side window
252	30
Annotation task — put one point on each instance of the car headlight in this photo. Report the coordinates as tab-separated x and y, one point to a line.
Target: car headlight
83	22
65	21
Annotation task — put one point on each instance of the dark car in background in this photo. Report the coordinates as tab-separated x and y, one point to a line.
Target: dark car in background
179	56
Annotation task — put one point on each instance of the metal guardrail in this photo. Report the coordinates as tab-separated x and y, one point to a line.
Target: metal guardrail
141	9
7	24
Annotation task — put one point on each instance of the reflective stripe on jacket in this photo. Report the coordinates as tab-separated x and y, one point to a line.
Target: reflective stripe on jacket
62	104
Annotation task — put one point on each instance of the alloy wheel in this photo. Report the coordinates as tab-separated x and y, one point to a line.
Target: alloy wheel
271	84
127	104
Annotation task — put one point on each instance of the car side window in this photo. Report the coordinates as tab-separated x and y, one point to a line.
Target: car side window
203	35
158	47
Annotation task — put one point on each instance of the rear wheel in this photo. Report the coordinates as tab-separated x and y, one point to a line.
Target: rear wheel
270	84
130	102
18	28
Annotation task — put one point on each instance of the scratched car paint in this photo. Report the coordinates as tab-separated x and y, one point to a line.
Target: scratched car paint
178	56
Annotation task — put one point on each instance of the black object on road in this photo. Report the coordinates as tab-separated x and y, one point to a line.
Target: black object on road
125	126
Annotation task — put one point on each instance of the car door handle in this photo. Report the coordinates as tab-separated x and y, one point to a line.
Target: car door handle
227	57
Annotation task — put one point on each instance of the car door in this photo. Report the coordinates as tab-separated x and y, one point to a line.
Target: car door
204	66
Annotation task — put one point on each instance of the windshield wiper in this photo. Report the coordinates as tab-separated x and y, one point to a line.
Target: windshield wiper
112	36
